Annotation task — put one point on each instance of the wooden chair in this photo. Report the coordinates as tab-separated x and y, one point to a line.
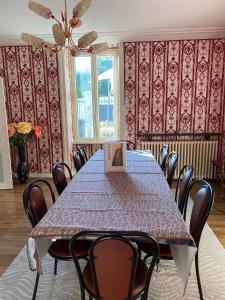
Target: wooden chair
114	269
83	153
59	176
183	183
171	164
130	145
78	160
203	202
222	178
219	172
164	152
35	207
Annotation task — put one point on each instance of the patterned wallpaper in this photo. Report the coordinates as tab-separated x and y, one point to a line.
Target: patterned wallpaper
170	86
174	86
32	94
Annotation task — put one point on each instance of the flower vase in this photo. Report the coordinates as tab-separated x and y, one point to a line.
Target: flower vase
22	167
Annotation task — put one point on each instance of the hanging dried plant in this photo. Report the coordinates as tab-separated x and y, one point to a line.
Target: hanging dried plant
74	51
87	39
62	30
40	9
51	47
81	8
58	34
75	22
97	48
33	40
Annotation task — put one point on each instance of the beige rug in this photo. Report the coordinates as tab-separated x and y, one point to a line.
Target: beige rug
18	281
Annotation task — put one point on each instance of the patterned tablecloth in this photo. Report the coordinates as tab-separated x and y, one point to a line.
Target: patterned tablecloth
139	199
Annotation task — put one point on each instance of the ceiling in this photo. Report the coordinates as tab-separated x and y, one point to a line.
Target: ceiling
121	20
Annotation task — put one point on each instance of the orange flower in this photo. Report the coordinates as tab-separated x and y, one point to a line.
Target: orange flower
11	130
37	131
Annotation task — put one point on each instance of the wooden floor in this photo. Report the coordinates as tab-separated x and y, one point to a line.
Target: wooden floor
15	228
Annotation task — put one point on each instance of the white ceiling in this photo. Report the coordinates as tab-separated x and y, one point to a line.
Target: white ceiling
121	20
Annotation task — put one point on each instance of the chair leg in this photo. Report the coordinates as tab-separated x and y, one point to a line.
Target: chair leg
157	264
36	286
185	209
198	277
55	266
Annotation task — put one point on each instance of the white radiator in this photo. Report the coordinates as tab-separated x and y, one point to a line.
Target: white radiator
198	153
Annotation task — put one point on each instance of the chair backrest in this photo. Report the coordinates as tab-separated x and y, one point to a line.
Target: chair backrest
113	259
130	145
171	164
164	152
59	176
78	160
182	188
203	202
34	200
222	175
83	153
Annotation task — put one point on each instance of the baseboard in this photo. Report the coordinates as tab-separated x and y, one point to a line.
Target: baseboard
38	175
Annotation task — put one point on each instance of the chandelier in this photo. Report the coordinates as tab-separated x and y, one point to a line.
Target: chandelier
63	30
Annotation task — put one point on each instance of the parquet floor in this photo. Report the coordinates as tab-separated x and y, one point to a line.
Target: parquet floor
15	228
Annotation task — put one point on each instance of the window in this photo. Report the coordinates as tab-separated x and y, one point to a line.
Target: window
96	113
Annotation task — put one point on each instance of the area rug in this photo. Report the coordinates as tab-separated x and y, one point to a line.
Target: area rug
18	281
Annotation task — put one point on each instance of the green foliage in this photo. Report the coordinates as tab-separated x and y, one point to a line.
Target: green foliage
104	63
83	78
104	88
20	139
83	82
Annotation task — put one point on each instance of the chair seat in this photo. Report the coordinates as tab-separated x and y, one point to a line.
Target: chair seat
164	250
139	282
60	249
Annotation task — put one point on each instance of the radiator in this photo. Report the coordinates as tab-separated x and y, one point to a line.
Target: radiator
198	153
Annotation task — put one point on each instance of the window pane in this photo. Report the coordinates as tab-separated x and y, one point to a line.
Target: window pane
84	97
106	97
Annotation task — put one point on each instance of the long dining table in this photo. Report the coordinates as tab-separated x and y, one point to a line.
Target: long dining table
139	200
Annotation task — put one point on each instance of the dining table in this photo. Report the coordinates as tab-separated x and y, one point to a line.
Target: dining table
138	199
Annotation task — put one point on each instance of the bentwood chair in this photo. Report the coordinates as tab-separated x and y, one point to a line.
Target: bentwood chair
130	145
219	167
78	160
35	207
83	153
164	152
59	176
183	183
171	164
114	270
203	202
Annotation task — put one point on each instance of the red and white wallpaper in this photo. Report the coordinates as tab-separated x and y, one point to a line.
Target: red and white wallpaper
32	94
174	87
170	87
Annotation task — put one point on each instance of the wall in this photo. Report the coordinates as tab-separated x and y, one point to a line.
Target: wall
174	87
31	80
170	86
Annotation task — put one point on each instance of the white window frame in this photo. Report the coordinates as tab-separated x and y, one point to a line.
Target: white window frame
95	100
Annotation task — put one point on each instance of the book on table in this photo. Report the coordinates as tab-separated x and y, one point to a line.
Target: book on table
115	156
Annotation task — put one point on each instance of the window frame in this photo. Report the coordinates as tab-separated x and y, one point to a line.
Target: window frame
95	99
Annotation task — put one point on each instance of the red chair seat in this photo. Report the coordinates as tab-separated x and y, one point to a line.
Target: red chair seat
60	248
139	282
